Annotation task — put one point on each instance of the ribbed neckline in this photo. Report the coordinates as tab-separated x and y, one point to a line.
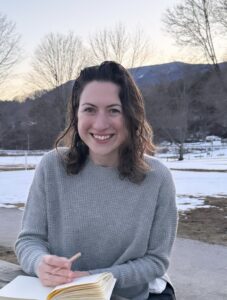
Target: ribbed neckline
91	163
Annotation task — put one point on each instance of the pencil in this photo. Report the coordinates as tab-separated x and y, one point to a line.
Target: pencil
74	257
71	259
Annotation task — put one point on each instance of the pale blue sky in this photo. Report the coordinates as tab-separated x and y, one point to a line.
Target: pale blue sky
34	19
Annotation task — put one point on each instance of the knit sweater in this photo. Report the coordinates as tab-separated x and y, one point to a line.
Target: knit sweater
121	227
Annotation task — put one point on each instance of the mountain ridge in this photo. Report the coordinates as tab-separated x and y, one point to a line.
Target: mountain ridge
173	71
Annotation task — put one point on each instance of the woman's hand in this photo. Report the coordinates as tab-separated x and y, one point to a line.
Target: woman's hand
54	270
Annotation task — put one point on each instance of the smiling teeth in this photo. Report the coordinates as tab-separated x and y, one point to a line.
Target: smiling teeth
101	137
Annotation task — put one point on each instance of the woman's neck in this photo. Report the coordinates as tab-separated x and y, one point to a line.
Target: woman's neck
104	161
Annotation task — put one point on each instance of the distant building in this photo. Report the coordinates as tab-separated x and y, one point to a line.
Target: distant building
215	140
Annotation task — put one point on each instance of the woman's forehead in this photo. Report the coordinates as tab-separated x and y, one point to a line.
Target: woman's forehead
96	92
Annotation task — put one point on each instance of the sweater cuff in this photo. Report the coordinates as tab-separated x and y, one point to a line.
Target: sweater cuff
36	263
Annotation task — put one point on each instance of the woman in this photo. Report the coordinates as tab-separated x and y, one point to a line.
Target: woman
102	195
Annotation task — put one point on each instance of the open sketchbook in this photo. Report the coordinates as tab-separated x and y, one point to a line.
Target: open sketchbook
93	287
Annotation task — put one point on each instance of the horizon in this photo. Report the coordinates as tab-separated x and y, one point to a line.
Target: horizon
22	98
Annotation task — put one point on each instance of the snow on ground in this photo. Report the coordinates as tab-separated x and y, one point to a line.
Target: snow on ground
17	160
202	164
200	183
184	203
191	186
15	186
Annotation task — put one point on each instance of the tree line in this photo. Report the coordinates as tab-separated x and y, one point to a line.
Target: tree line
191	106
188	109
179	110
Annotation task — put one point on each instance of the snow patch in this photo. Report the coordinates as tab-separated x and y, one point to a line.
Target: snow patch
7	205
189	203
15	184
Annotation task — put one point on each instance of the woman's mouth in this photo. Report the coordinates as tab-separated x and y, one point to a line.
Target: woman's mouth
102	137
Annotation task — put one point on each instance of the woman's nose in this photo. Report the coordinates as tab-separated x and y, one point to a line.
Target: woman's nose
101	122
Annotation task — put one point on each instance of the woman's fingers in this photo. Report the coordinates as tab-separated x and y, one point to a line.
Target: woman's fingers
58	271
54	270
57	262
53	280
78	274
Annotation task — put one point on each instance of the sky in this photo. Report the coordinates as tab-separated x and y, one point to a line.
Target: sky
35	19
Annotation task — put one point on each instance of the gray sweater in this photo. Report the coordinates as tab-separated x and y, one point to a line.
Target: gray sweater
118	226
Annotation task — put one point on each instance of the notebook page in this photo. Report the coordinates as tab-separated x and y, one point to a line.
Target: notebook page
25	287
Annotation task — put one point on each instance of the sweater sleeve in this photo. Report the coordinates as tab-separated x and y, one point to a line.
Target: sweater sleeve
155	262
32	243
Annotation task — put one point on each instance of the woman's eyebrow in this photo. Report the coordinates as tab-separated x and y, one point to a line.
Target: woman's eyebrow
87	103
111	105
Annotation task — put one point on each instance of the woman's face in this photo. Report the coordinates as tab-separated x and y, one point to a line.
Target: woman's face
101	124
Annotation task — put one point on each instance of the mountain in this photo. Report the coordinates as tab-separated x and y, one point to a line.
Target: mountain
197	104
169	72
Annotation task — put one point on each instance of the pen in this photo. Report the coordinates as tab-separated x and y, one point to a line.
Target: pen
71	259
74	257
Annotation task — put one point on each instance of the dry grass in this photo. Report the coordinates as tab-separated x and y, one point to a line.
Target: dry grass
206	224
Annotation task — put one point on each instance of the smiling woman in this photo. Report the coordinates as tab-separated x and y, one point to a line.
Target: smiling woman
102	195
101	123
106	112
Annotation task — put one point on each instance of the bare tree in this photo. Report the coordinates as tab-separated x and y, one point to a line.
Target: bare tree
221	13
99	46
140	49
119	42
175	113
128	48
190	25
169	105
9	47
57	59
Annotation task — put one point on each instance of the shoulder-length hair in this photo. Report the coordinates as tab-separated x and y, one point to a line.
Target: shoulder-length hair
132	164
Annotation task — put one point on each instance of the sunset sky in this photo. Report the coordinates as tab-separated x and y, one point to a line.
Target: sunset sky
34	19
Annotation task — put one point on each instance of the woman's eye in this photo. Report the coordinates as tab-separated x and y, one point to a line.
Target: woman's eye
89	109
115	111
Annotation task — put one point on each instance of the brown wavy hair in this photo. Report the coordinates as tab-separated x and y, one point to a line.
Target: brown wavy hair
132	164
